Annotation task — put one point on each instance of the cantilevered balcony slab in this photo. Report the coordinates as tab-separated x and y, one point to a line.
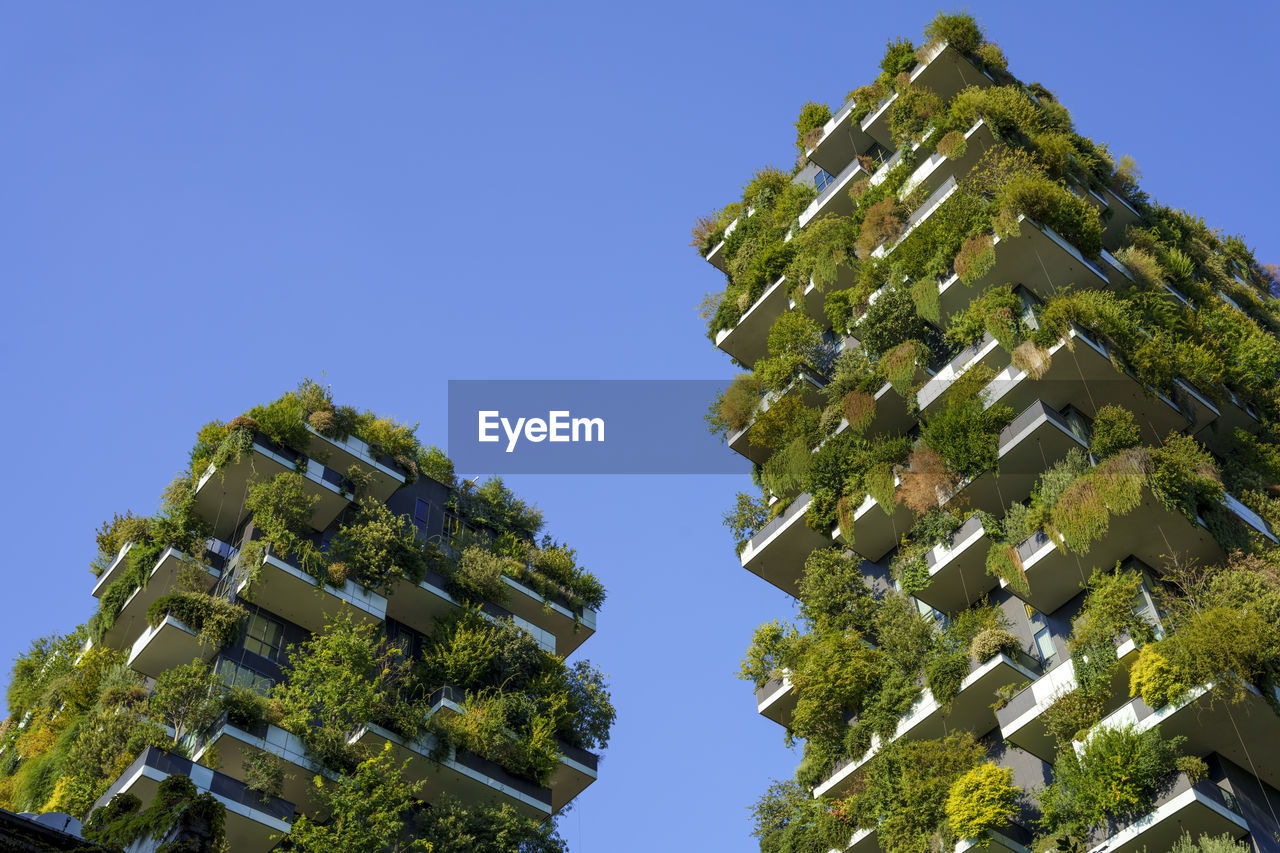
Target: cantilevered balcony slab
1218	434
569	628
113	571
809	388
1150	532
945	72
1033	441
874	530
936	169
420	605
1183	807
776	700
958	569
1122	216
341	454
168	644
469	778
131	622
892	417
251	819
777	553
841	141
982	353
289	592
577	770
1022	721
834	198
1037	258
221	491
970	710
1212	722
234	745
746	340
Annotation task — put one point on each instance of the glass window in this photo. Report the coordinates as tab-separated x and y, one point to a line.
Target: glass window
234	675
1044	644
822	179
264	636
421	511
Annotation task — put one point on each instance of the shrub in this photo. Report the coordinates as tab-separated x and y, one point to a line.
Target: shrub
1116	775
991	642
1070	714
976	258
787	418
945	673
924	479
1209	844
966	433
734	409
1184	477
913	112
859	409
1154	679
216	620
379	547
1053	205
794	341
992	57
959	29
890	321
983	798
865	99
882	223
1082	514
785	470
245	707
770	651
997	312
900	364
899	56
820	249
1114	429
1031	359
812	117
953	145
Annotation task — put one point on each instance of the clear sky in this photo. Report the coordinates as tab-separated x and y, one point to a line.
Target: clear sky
203	203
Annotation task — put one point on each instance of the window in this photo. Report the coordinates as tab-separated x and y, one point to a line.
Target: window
1044	644
264	636
452	528
235	675
421	511
822	179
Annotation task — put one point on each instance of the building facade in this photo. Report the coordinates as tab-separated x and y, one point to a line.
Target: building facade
1013	425
318	602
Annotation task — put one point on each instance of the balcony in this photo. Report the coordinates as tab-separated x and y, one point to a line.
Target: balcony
777	553
875	530
1021	720
958	569
808	384
342	454
776	700
834	198
420	605
969	710
982	353
250	821
234	744
468	777
1232	414
1032	442
113	571
289	592
1081	374
1196	808
1010	838
568	629
163	579
1150	532
937	168
1037	258
746	341
1212	722
935	200
945	71
220	493
166	645
1123	215
841	141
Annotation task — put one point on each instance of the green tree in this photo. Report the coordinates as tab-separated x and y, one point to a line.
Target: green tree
369	810
184	698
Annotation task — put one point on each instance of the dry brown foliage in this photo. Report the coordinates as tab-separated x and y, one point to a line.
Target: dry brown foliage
976	257
859	409
882	223
1031	359
924	480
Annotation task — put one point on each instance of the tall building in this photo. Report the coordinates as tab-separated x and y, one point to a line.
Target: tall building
321	640
1014	428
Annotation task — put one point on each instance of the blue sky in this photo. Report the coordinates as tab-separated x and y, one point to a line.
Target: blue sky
204	203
